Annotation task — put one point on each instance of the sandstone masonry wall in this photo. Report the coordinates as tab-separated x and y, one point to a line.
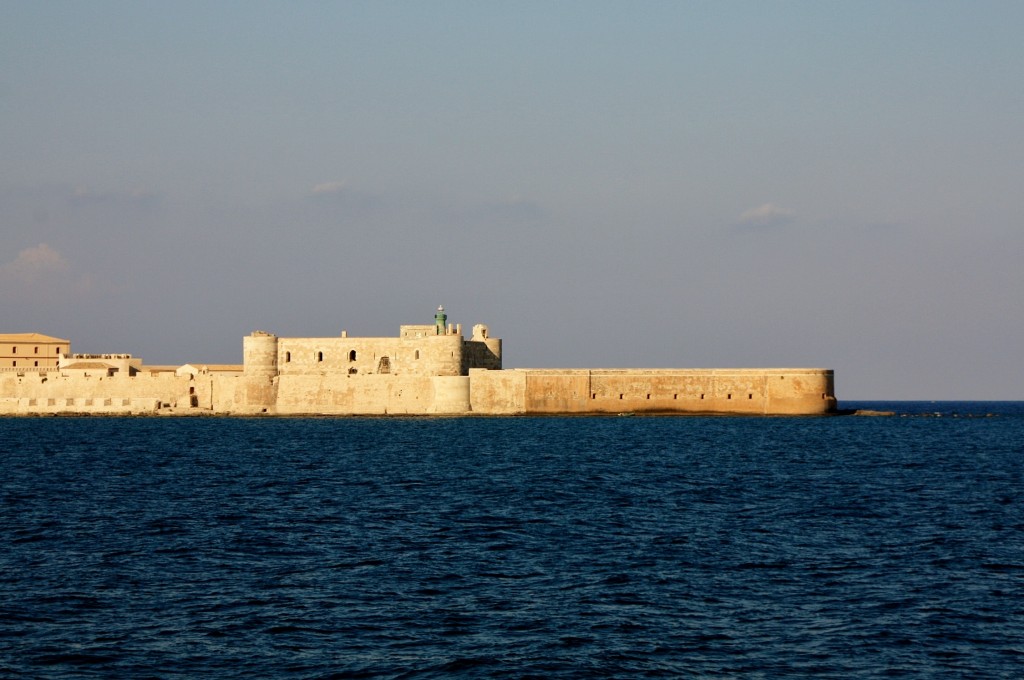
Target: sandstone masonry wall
427	369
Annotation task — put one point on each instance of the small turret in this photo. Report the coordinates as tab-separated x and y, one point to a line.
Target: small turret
440	320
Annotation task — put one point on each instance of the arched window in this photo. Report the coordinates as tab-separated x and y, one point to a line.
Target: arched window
287	357
352	355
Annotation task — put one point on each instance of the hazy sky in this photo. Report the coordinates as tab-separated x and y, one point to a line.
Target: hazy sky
663	184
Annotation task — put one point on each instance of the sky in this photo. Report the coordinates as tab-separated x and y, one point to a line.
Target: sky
605	184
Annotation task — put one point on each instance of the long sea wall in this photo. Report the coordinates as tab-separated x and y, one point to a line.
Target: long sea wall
776	391
482	392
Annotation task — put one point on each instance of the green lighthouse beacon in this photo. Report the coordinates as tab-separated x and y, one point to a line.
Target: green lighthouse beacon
440	319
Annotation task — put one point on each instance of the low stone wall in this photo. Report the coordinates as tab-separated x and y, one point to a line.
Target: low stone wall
51	393
101	406
483	392
372	394
583	391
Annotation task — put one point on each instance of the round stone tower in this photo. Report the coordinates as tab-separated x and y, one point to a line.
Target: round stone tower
259	354
491	359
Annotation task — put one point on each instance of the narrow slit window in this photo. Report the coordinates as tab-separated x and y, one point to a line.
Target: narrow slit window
319	356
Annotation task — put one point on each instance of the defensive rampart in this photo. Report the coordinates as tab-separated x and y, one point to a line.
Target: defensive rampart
426	370
777	391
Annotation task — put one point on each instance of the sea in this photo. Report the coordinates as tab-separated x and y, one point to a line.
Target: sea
586	547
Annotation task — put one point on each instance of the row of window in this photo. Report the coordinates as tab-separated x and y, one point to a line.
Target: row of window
319	356
674	396
593	395
15	363
35	350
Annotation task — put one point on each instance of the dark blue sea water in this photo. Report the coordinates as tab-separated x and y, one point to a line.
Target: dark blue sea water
835	547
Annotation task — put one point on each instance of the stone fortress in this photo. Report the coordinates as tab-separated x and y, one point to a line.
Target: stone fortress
427	370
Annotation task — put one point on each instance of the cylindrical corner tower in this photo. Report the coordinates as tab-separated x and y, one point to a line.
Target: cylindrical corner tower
494	348
259	354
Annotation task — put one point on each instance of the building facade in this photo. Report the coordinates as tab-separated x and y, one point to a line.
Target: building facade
31	350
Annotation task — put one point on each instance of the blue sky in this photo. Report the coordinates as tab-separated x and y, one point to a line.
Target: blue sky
677	184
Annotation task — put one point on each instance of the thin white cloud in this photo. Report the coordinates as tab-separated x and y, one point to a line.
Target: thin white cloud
766	215
330	187
41	275
34	264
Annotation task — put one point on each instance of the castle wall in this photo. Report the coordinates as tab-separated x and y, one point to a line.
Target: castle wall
483	392
116	394
372	394
409	356
451	394
426	370
736	391
481	354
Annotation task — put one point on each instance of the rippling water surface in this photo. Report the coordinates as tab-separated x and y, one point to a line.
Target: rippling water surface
515	547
